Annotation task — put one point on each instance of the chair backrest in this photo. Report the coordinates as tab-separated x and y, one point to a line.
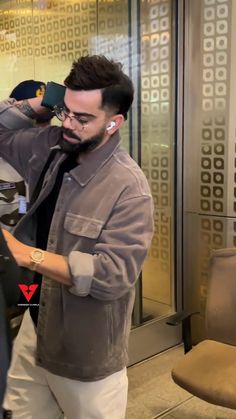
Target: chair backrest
221	299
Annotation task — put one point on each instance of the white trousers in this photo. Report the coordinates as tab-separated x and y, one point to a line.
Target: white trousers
34	393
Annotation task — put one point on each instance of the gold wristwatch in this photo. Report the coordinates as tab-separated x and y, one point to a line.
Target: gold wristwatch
36	257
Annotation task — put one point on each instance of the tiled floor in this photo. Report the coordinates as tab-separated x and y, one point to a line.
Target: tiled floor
153	394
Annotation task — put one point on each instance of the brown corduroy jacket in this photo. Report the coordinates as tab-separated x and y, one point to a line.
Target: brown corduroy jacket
103	224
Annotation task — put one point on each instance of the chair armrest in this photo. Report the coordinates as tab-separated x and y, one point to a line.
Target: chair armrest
184	317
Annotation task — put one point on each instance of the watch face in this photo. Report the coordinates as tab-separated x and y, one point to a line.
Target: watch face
37	255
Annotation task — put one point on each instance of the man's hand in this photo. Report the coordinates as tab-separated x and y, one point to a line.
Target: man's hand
19	250
53	266
32	108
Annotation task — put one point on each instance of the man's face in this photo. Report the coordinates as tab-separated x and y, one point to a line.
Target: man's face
84	127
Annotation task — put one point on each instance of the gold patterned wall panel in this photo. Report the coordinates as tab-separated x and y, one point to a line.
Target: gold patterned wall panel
63	31
16	44
113	40
214	182
51	34
157	142
216	42
209	148
113	30
40	39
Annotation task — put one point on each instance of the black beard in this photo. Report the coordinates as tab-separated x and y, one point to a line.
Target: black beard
83	146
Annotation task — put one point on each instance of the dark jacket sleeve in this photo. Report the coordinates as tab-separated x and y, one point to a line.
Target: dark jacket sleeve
21	142
10	273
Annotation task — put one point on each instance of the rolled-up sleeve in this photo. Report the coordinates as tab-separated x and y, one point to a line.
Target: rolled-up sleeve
82	271
119	253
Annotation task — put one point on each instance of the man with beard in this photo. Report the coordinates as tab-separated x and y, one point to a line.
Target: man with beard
86	233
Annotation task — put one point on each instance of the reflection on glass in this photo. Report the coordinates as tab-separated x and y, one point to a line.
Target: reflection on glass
157	151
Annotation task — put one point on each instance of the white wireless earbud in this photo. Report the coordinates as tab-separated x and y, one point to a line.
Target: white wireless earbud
112	125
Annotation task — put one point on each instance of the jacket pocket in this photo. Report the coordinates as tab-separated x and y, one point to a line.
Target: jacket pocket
82	226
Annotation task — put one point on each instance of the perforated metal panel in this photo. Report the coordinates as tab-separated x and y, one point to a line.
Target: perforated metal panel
42	38
209	147
157	150
215	95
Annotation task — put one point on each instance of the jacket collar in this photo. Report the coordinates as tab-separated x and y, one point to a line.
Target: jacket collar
84	172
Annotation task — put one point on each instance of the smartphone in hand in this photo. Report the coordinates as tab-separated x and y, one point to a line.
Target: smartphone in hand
54	95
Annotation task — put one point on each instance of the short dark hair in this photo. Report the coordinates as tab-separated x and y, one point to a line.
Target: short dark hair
98	72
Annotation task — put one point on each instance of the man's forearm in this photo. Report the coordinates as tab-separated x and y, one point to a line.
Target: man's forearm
32	107
53	266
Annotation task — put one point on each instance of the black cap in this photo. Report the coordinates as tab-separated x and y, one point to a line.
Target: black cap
28	89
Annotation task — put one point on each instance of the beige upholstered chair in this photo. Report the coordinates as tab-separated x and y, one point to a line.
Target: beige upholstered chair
208	371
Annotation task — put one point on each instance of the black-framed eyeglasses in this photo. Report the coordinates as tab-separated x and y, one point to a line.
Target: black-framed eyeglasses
77	122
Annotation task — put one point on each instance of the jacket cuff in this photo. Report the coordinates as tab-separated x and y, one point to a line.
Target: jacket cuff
82	271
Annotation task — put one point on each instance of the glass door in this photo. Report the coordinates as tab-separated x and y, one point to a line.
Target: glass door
157	151
159	286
